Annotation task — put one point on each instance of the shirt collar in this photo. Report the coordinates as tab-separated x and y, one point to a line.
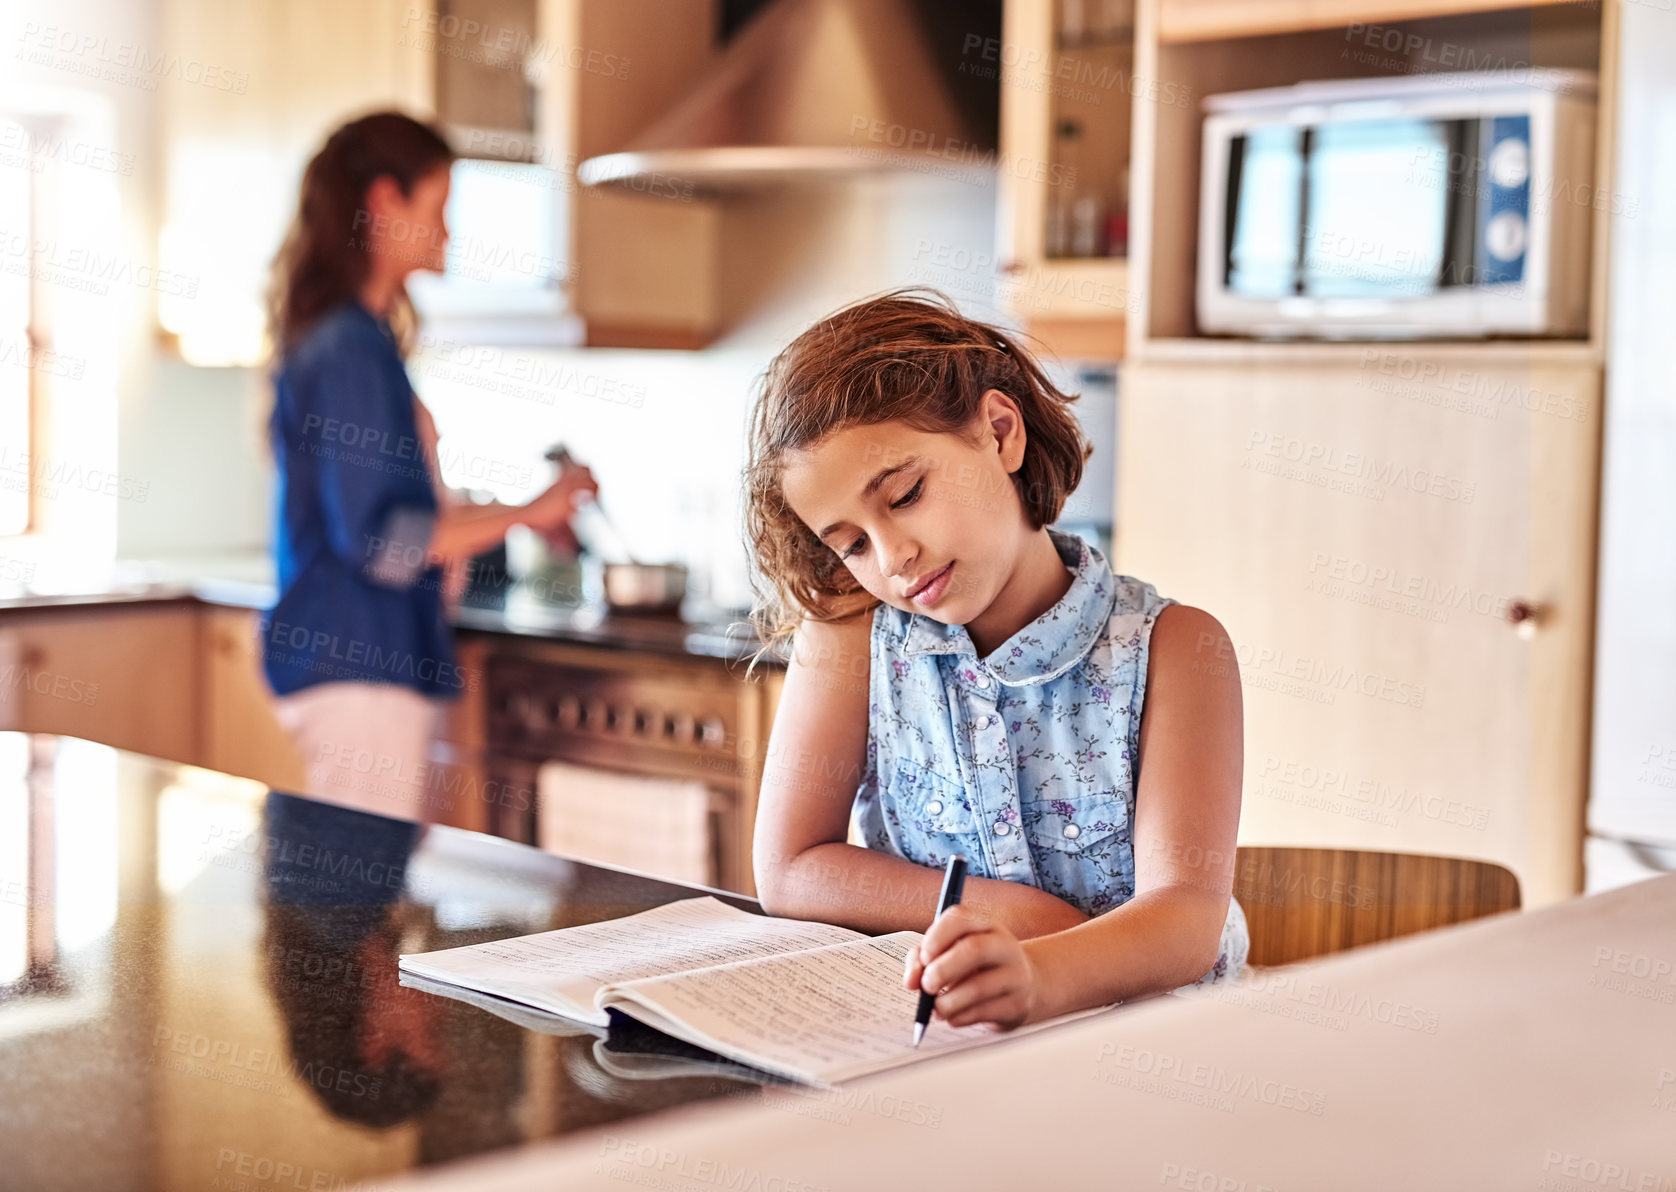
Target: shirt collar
1052	643
382	322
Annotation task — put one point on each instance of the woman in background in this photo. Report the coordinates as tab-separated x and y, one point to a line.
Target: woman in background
368	543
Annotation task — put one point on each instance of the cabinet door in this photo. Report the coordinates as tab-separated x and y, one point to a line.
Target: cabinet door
1193	20
241	734
1066	115
1373	530
459	790
243	737
120	675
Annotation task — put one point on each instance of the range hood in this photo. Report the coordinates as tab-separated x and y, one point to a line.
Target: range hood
808	90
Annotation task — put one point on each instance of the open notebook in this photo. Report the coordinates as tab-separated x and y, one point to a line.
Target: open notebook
808	1001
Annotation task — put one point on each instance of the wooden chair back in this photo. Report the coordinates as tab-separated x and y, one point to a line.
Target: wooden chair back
1303	902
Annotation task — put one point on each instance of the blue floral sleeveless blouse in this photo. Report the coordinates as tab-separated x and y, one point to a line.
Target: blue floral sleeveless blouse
1023	760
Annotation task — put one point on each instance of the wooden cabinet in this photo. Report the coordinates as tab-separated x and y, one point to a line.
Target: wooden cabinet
1401	544
640	271
183	680
1399	537
1289	41
123	674
648	267
1066	104
241	736
239	733
459	766
1198	20
175	679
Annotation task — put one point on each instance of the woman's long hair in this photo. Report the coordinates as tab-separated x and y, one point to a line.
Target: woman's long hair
324	260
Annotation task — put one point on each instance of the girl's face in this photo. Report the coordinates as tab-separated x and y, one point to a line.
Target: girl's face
928	523
407	232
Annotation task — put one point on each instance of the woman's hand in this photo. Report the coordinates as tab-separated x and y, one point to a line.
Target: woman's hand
982	970
554	506
456	578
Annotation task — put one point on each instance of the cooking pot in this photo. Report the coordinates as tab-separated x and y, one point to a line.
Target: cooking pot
632	586
645	587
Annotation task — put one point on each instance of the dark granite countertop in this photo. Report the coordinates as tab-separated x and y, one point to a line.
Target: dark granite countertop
210	994
703	630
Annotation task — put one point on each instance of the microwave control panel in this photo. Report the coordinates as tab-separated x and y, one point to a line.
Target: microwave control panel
1506	217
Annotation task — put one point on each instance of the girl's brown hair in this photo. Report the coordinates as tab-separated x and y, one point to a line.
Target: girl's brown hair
324	260
908	355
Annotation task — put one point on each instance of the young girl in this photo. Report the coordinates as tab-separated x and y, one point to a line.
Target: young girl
966	679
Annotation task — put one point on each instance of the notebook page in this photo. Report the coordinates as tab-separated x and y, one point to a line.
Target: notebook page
561	971
524	1015
823	1016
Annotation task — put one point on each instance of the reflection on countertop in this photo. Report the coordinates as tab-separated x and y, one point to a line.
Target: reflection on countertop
204	983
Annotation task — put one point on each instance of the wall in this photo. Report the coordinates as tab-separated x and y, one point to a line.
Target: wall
94	267
669	467
1632	793
188	441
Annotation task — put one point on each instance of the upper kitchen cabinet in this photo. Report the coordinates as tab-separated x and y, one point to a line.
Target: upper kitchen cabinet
646	259
537	87
1331	193
1332	172
1068	93
523	88
808	105
1200	20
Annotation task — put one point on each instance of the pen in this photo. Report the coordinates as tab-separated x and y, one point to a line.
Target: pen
954	879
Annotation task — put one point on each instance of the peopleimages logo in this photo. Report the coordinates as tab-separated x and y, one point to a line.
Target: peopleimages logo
97	55
1215	1087
328	653
515	45
278	853
230	1061
924	143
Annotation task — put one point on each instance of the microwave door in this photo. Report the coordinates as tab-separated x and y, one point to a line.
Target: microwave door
1264	212
1390	207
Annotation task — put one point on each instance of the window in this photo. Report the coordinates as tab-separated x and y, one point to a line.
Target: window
20	347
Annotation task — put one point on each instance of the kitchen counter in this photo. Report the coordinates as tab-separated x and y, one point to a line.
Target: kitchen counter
1532	1050
703	630
212	1001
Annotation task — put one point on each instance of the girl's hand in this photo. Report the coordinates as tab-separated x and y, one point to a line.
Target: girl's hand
982	970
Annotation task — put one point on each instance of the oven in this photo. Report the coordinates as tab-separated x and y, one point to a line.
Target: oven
623	758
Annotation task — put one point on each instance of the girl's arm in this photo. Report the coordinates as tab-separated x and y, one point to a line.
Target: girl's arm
1187	819
1187	811
815	760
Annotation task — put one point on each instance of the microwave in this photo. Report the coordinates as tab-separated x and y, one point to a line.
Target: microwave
1440	205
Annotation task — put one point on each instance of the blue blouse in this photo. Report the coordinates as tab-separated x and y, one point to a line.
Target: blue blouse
354	513
1023	760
